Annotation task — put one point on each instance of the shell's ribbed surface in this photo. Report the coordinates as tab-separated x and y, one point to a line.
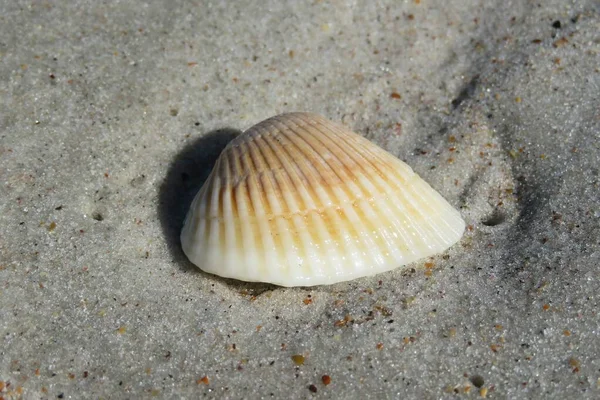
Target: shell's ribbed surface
298	201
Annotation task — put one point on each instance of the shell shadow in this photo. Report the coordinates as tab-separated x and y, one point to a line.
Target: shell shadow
187	173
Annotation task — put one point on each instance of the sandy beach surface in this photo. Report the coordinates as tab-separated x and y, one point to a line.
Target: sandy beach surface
113	113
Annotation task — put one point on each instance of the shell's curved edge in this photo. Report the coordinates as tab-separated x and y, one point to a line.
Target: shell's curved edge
297	200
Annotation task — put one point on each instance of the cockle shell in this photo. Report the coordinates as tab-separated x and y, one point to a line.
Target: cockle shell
298	200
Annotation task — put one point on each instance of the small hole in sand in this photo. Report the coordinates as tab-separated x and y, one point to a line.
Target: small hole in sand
97	216
477	380
496	218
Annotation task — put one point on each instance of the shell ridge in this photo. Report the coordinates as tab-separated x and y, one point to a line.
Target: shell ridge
364	211
377	211
304	245
327	229
222	209
442	202
414	214
250	180
351	242
450	225
255	162
243	188
321	233
359	145
259	194
303	172
368	192
212	184
293	220
385	213
212	205
244	203
329	255
397	238
313	146
411	198
281	232
368	242
435	222
345	172
237	169
362	240
378	183
320	198
288	180
273	230
198	207
200	219
413	218
365	195
361	162
326	136
268	176
429	211
339	242
363	243
229	228
429	225
439	208
386	164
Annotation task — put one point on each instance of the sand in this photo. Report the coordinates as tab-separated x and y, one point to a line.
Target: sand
113	113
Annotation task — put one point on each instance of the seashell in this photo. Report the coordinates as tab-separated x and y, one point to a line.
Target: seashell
298	200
